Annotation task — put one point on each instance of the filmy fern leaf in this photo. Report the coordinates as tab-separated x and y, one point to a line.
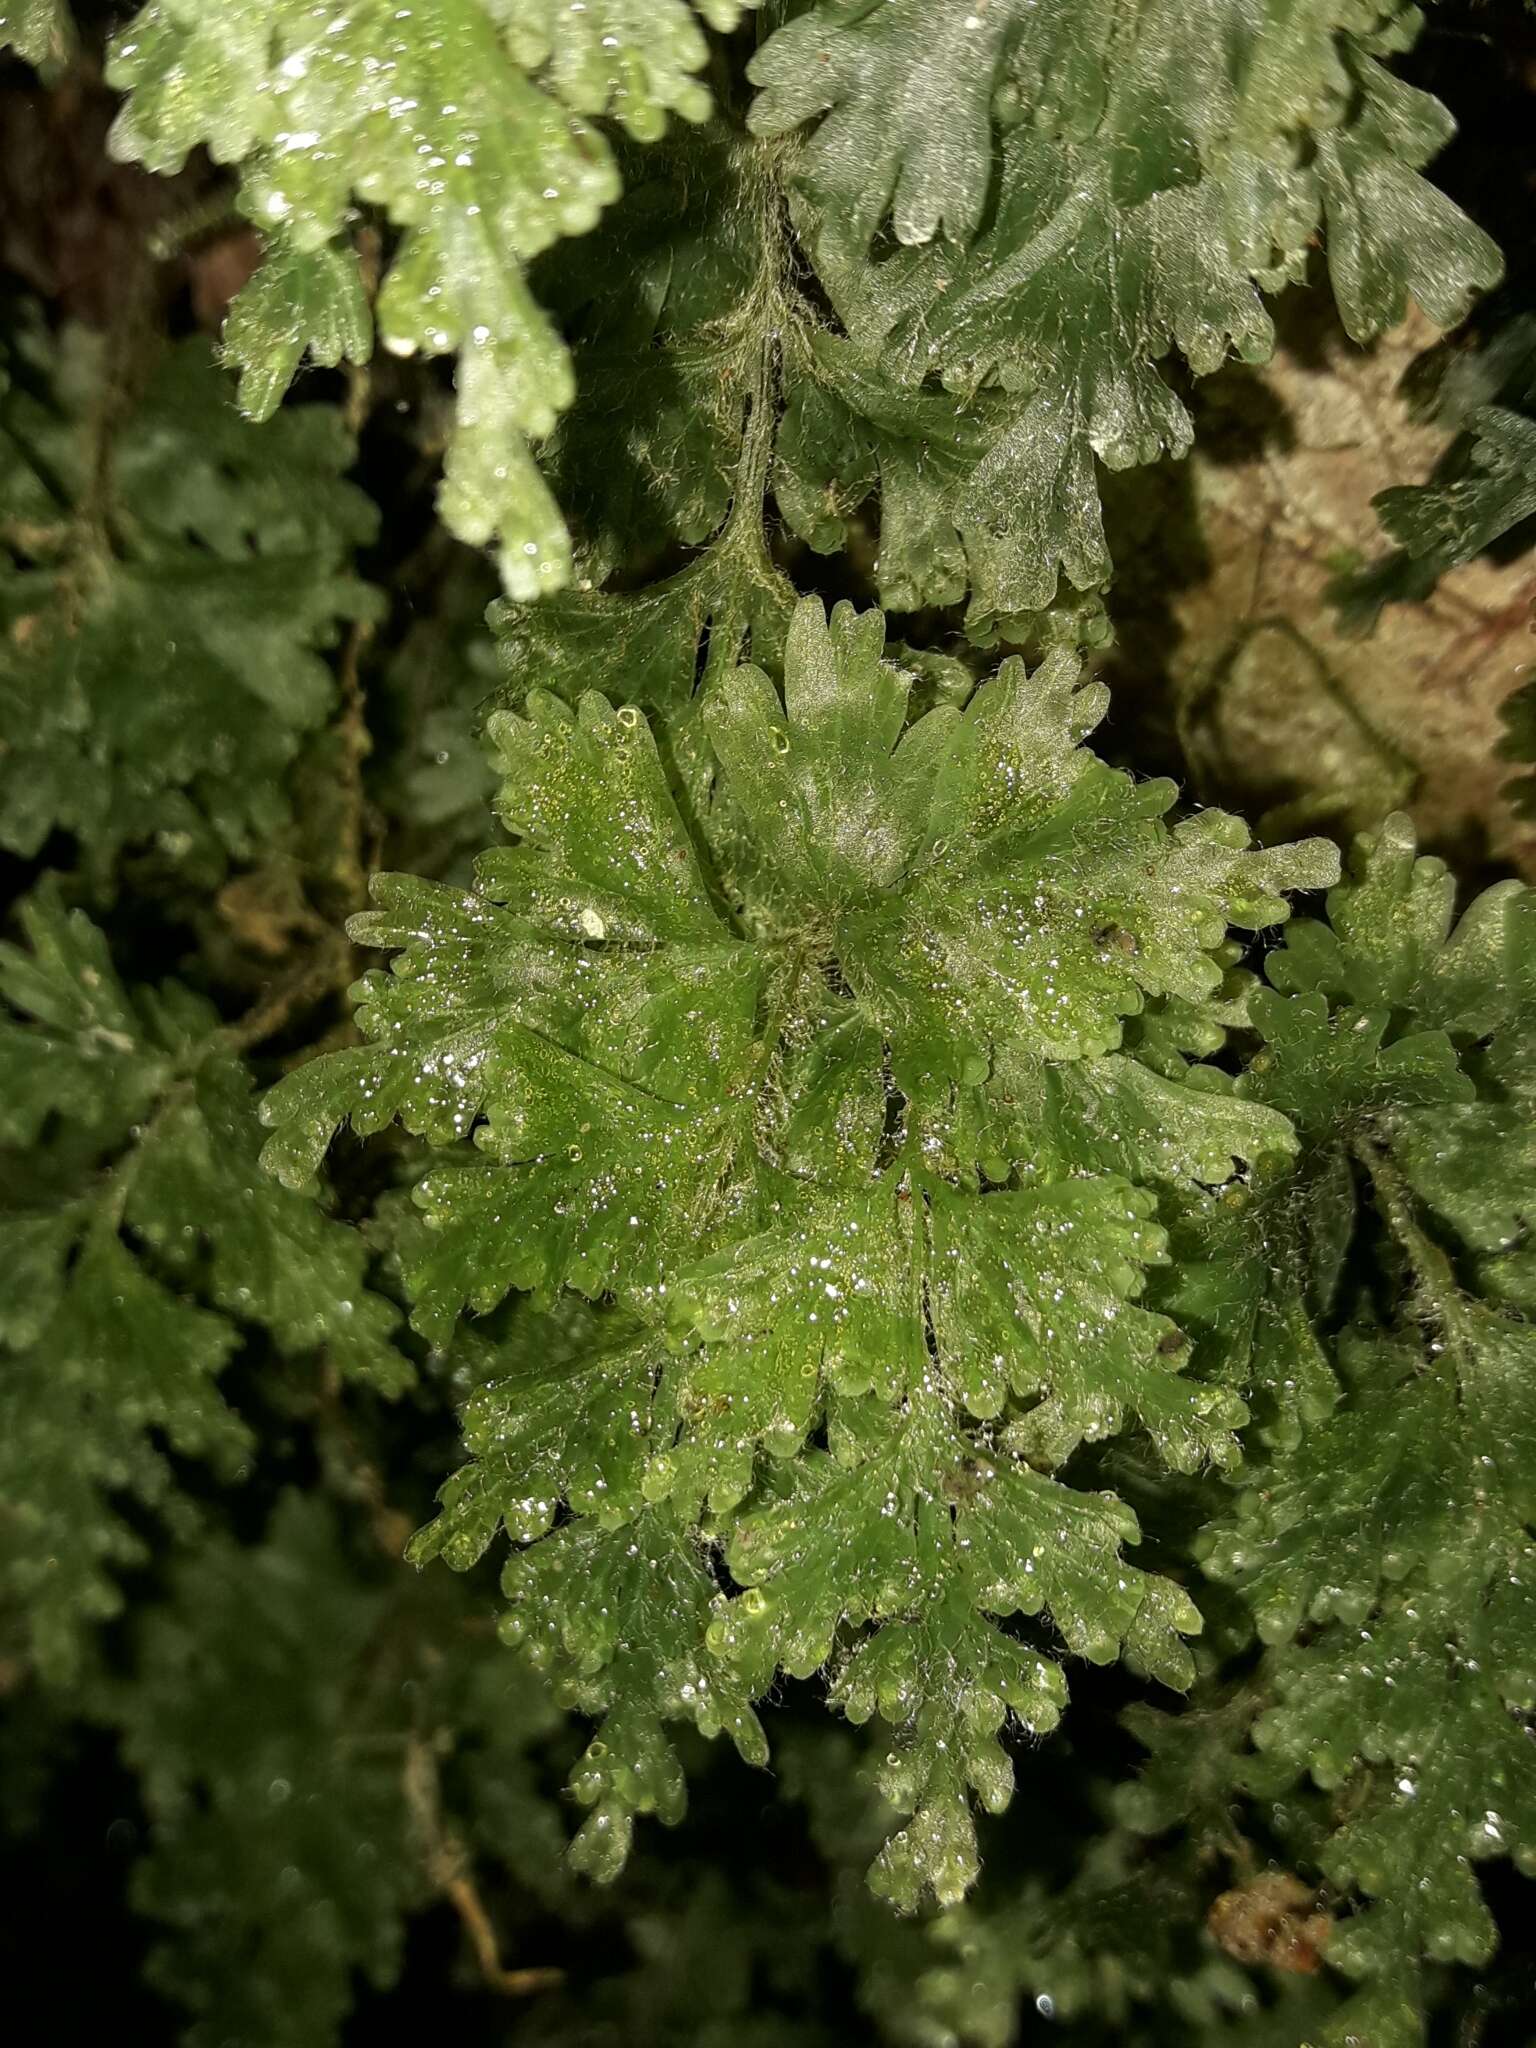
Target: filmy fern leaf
1482	489
792	1092
141	1244
1098	193
463	122
41	31
1385	1547
169	582
881	1233
292	1719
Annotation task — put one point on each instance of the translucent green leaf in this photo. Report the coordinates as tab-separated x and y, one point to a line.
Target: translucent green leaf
883	71
1393	940
919	1534
1382	1542
41	31
1482	487
631	57
639	1105
300	302
1457	1783
573	1424
647	647
1498	492
168	617
143	1246
1391	235
1093	194
316	117
687	1033
618	1620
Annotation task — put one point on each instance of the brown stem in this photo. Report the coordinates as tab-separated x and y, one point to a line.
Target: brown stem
323	972
448	1867
465	1901
355	855
132	344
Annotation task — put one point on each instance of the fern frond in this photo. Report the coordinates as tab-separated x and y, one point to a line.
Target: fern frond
169	584
1384	1546
297	1803
143	1244
1096	195
463	123
821	1092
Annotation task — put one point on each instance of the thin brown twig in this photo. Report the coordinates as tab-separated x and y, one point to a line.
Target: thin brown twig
465	1901
353	858
323	972
448	1867
133	342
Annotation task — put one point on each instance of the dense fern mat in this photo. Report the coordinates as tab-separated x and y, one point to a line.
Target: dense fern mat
589	939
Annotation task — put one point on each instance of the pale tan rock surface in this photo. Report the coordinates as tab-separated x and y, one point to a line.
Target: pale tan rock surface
1223	566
